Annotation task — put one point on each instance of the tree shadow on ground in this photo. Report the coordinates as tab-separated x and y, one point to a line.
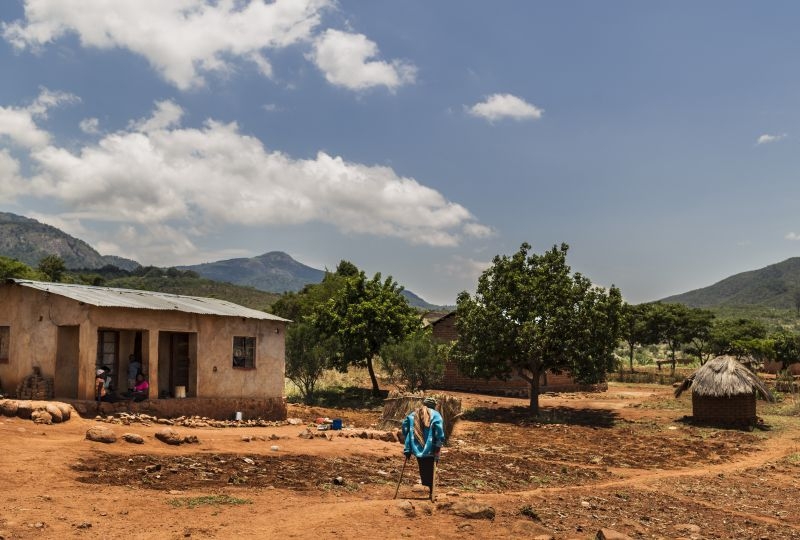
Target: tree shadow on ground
351	397
547	415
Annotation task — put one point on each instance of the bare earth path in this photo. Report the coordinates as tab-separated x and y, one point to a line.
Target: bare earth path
620	460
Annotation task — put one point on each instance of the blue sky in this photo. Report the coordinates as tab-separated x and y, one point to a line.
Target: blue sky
414	138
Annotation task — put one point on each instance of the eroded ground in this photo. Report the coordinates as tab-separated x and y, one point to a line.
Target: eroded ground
622	460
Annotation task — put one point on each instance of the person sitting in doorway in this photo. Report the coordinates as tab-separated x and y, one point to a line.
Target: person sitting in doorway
141	390
134	368
101	392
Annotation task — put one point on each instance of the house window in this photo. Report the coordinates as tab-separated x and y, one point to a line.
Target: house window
244	352
5	334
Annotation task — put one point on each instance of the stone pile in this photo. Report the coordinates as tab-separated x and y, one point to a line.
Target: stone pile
35	386
41	412
126	419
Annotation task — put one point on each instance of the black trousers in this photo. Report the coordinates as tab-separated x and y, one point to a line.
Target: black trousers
426	470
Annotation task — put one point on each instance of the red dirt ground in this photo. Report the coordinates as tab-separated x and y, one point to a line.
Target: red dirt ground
621	460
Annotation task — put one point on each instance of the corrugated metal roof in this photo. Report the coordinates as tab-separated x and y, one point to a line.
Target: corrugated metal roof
135	299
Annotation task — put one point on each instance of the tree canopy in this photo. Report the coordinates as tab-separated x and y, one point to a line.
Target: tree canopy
531	314
364	315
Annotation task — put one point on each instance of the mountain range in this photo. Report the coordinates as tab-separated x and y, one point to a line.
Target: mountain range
774	286
28	241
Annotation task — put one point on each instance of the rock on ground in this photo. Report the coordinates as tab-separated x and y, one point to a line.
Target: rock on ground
101	434
40	416
169	436
611	534
472	510
133	438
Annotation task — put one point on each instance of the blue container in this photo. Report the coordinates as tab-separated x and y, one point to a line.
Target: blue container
337	423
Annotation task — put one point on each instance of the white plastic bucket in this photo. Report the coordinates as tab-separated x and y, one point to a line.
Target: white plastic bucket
238	416
180	391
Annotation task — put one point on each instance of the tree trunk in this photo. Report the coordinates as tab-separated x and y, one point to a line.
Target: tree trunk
376	392
534	396
630	357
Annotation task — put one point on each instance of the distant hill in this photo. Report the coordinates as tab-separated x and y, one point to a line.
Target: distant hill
275	271
29	241
774	286
193	286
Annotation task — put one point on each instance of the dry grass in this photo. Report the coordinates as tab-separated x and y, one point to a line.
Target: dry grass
397	406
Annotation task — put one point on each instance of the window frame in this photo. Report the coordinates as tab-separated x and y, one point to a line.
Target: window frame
5	344
246	359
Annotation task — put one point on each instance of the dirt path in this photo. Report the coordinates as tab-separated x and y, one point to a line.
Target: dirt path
617	460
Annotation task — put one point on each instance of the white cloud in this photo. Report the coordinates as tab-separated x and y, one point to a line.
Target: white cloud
90	126
767	138
500	106
464	268
181	39
19	123
11	183
156	173
166	115
792	236
346	59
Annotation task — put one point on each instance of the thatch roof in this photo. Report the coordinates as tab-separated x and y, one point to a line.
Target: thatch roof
724	376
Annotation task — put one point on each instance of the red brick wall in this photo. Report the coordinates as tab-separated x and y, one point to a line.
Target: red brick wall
724	410
444	330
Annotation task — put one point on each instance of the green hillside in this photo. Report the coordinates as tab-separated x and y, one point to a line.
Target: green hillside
193	286
29	241
776	286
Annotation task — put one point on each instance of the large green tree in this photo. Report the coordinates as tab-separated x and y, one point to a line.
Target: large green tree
364	315
308	355
531	314
676	325
418	360
53	267
634	328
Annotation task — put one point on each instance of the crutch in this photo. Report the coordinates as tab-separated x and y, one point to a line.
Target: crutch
433	480
403	470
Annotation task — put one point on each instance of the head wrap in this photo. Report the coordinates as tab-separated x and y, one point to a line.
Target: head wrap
429	401
100	372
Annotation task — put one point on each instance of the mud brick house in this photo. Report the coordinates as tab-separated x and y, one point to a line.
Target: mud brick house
223	357
444	330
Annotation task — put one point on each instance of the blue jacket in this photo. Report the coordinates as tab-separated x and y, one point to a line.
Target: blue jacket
433	435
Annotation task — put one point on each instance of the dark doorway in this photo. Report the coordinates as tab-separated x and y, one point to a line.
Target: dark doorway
179	361
65	384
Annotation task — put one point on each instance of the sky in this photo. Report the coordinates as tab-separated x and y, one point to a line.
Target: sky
418	139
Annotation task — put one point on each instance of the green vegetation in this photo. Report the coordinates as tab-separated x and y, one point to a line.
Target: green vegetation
208	500
775	286
539	316
364	315
417	360
308	355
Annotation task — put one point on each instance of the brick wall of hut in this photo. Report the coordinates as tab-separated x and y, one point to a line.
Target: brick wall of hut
739	409
444	330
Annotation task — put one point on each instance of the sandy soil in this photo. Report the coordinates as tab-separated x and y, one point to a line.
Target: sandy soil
621	460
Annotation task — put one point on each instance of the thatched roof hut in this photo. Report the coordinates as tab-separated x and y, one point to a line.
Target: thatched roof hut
724	392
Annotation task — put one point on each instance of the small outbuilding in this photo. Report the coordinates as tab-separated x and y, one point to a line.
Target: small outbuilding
724	392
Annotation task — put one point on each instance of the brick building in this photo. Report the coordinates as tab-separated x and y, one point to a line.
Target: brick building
444	330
